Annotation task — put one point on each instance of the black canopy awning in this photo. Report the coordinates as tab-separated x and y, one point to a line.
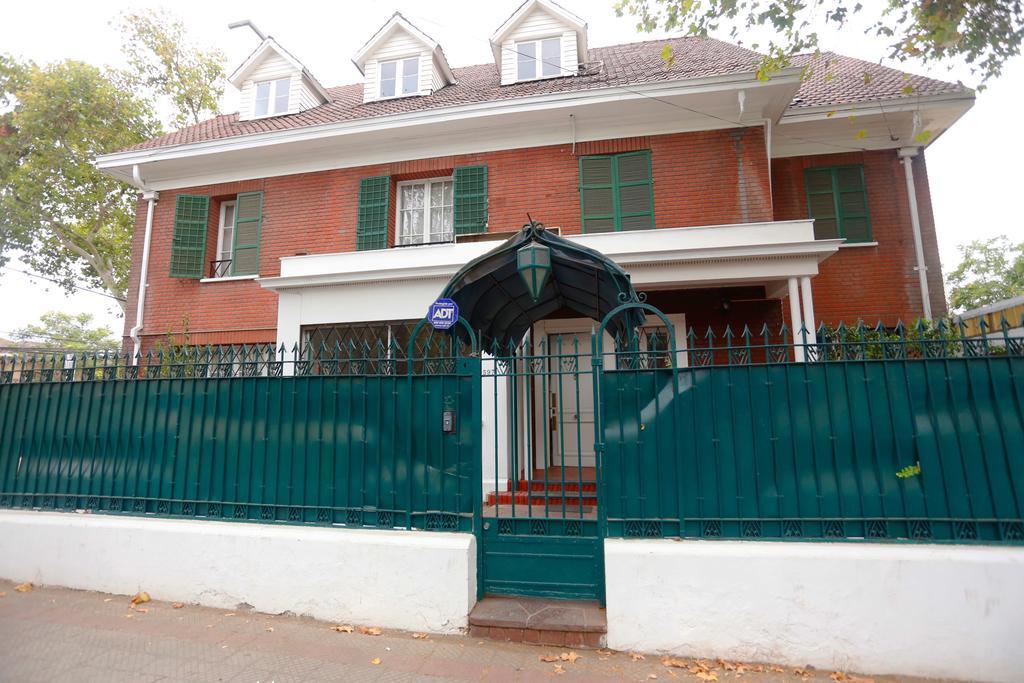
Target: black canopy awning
493	296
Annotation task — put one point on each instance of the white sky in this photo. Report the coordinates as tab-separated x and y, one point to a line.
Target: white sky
975	168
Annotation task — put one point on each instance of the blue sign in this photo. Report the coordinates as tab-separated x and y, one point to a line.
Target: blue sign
443	314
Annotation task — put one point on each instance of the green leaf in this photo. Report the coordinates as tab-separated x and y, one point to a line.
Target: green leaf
909	471
668	55
924	136
862	133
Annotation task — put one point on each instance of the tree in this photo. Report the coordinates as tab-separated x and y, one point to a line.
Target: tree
71	222
989	271
71	332
164	63
982	33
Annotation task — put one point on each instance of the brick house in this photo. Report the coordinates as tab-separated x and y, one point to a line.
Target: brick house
313	211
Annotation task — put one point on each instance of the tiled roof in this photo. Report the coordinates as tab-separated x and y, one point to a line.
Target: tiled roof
623	65
835	79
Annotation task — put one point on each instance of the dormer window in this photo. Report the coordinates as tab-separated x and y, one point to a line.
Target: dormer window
538	59
400	77
272	97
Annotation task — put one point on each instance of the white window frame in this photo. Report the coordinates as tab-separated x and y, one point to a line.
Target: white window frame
399	63
220	232
273	84
539	59
426	210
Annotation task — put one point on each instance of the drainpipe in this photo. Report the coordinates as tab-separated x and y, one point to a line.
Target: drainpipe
907	155
140	307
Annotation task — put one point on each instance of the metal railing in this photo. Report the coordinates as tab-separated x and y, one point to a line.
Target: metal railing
222	433
221	268
883	434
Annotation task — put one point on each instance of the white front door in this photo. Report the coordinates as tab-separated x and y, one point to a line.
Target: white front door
570	401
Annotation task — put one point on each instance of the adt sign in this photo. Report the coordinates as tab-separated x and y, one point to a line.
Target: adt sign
443	314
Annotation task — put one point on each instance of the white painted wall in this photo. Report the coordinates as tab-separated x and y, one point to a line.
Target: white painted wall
413	580
399	45
927	610
538	23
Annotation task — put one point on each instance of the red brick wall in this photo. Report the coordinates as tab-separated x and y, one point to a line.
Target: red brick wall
871	282
697	181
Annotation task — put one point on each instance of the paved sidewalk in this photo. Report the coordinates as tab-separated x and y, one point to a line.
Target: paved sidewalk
55	634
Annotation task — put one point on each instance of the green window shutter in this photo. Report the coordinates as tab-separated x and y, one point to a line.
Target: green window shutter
616	192
470	198
837	200
248	224
188	245
634	192
372	223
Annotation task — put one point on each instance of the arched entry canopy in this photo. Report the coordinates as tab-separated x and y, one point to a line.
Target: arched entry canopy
494	295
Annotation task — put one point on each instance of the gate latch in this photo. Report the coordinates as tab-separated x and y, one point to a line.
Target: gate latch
448	421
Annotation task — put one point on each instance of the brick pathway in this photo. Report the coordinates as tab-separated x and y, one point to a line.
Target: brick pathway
55	634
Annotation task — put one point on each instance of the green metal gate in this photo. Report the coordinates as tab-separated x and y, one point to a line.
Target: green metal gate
540	533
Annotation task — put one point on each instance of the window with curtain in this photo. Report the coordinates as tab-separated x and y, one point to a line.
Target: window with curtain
425	211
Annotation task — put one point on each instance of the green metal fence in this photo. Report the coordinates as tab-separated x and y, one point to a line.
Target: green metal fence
884	434
318	436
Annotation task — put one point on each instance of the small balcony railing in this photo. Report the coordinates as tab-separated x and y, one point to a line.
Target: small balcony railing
220	268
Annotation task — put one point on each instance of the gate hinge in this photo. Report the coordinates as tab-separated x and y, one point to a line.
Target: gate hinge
598	446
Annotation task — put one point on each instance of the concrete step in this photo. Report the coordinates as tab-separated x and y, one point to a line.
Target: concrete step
561	623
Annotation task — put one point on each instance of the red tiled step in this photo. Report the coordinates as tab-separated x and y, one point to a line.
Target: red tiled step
553	499
553	485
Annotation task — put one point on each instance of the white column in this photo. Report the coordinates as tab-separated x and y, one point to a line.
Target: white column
808	301
289	327
796	321
907	155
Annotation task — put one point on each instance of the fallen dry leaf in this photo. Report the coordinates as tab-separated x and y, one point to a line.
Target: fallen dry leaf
548	658
570	657
342	628
419	636
799	672
652	675
375	660
677	663
369	630
3	594
706	675
602	651
559	670
23	587
177	605
269	629
230	614
142	610
139	598
636	656
107	599
837	676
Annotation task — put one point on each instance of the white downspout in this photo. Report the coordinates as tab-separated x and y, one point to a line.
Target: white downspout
907	155
140	307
